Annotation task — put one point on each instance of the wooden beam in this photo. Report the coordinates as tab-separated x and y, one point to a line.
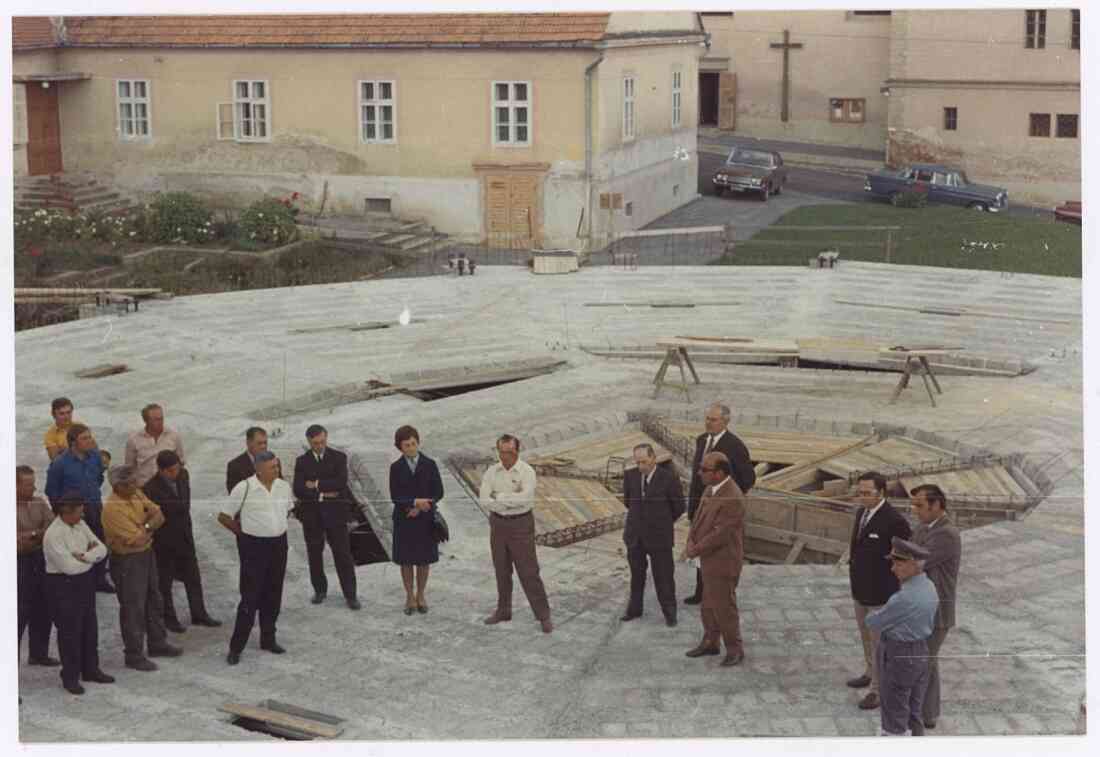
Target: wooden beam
283	720
74	291
782	536
796	550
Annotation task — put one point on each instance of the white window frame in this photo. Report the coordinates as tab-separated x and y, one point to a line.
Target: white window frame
378	103
630	111
133	102
513	105
237	103
677	98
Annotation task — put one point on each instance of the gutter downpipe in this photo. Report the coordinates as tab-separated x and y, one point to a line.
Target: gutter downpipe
588	71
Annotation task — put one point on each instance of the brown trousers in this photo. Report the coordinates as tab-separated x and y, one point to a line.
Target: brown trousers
719	612
512	542
870	642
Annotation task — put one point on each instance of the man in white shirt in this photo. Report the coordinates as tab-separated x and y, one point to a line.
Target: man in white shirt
508	494
143	445
263	502
71	549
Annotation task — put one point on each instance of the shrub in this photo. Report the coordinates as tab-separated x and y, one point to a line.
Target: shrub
178	217
43	225
909	199
267	222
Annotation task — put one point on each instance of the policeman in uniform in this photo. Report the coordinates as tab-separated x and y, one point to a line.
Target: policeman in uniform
904	625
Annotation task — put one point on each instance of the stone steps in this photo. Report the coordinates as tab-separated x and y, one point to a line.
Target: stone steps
72	192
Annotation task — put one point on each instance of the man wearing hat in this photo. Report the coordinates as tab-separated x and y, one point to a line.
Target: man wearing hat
174	543
903	626
263	501
129	520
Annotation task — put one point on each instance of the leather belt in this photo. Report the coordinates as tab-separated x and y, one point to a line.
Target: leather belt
510	517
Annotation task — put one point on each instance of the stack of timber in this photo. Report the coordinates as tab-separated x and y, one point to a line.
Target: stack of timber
76	296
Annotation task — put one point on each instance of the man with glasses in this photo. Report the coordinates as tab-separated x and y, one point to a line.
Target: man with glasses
717	438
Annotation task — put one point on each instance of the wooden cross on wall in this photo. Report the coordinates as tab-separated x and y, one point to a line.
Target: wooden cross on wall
786	46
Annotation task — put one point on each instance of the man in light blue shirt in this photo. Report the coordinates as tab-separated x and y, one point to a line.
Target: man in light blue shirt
904	624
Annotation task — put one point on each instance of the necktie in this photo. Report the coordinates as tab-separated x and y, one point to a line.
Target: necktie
643	485
863	521
710	444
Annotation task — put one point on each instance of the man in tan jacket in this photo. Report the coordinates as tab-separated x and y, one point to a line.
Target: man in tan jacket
717	538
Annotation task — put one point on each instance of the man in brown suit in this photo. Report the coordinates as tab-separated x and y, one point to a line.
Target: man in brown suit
717	538
940	537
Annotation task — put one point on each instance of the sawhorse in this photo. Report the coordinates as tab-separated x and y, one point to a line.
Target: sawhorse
919	362
675	355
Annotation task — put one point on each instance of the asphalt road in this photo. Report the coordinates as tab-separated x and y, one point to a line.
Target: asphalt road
829	185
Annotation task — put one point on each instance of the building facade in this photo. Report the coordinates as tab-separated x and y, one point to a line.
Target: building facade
996	92
509	129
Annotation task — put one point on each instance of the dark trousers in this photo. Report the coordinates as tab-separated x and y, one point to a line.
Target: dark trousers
664	581
179	563
34	610
698	584
263	569
317	530
93	516
931	708
71	600
140	607
903	679
512	542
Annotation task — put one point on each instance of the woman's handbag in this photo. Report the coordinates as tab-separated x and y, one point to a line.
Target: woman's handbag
440	532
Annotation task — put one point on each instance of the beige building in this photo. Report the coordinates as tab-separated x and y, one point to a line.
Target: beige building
508	128
996	92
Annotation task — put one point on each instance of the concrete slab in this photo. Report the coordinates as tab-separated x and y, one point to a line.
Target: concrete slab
1014	665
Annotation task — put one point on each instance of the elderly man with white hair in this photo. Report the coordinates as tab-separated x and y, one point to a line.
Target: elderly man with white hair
129	520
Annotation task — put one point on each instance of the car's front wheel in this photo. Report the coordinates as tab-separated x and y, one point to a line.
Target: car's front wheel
980	206
766	192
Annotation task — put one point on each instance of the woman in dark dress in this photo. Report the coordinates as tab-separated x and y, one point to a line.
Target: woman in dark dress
415	488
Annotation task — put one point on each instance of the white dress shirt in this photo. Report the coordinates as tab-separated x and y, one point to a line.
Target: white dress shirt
60	542
264	512
514	489
868	514
714	489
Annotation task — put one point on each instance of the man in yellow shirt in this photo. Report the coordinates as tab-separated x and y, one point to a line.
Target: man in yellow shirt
129	520
56	440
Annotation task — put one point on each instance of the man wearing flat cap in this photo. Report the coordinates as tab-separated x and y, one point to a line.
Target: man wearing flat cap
263	502
903	626
129	520
174	543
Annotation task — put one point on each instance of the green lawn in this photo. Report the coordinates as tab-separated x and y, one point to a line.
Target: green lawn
947	237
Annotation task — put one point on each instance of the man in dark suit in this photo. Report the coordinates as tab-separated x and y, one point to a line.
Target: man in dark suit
244	465
321	488
872	582
654	501
940	537
718	438
174	542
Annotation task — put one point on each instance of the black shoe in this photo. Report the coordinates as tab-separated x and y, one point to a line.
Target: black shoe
732	659
628	616
98	677
354	604
46	662
173	625
694	599
233	658
670	622
207	621
930	724
318	598
142	663
702	650
105	587
73	688
860	682
273	647
165	650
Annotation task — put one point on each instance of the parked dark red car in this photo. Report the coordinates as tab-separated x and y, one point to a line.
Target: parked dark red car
1070	212
746	170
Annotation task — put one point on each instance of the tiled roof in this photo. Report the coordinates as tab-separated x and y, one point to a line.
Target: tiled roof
30	32
352	30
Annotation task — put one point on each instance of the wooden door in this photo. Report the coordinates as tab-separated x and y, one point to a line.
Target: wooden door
43	131
510	210
727	100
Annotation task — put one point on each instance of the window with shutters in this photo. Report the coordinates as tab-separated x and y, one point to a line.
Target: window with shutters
677	99
511	113
377	112
1035	29
846	110
133	108
628	108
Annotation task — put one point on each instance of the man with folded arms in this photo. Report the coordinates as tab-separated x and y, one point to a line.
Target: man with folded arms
32	517
263	502
174	543
71	549
129	520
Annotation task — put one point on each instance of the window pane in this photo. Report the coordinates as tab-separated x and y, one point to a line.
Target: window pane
502	115
259	113
838	110
385	90
139	89
246	127
519	92
369	113
521	133
242	90
141	110
501	92
856	108
124	89
387	113
387	131
1067	125
369	131
261	129
502	133
143	128
127	111
258	90
368	90
127	127
521	115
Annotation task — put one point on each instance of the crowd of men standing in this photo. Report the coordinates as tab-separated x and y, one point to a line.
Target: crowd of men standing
902	582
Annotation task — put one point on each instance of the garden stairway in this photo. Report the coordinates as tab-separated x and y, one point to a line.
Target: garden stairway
382	230
78	192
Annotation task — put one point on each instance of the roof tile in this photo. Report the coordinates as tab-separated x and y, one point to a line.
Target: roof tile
31	32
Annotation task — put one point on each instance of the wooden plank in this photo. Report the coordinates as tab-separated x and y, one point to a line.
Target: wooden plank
783	536
784	347
796	550
784	478
283	720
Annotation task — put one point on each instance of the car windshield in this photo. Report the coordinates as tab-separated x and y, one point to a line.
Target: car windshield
963	181
750	158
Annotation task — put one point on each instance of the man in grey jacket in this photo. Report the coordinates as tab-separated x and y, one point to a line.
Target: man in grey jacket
940	537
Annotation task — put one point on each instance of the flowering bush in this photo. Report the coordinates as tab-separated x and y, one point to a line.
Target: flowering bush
36	227
178	217
268	221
